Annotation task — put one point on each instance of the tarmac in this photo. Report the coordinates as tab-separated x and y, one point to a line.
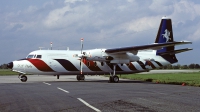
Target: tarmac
46	93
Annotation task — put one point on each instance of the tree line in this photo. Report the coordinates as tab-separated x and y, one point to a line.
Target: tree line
177	66
3	66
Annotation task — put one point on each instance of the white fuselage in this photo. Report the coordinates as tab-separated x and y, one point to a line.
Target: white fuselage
96	62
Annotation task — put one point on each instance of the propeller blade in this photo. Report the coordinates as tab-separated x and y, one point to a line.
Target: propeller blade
81	60
81	67
81	45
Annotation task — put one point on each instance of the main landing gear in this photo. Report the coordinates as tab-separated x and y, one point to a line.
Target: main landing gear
113	77
22	77
80	77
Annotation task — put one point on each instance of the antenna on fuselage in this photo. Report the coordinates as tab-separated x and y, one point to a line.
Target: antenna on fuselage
41	48
51	45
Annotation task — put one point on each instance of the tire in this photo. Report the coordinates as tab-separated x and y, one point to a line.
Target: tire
82	77
78	77
111	79
116	79
23	78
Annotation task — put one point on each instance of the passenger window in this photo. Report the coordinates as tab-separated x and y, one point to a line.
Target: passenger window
39	56
88	64
102	63
95	64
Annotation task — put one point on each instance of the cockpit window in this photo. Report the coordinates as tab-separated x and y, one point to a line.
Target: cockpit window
30	56
39	56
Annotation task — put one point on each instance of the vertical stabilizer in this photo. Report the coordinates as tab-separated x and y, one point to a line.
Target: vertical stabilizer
165	34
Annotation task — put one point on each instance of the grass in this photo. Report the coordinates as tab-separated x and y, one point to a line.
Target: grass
191	79
4	72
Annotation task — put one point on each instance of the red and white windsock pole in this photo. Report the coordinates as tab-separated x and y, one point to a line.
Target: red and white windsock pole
51	45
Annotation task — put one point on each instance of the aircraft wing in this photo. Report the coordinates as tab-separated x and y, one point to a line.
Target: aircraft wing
155	46
175	51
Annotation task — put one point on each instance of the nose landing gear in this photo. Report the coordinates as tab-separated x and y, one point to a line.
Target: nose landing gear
22	77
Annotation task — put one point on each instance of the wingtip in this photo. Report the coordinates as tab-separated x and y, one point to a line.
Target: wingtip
186	41
190	48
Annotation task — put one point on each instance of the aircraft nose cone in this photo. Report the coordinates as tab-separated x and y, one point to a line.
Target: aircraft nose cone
10	65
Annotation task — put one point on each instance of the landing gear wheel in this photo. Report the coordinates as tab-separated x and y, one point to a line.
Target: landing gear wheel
23	78
116	79
111	79
58	76
80	77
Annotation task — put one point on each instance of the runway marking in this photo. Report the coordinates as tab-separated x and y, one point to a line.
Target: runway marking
63	90
87	104
46	83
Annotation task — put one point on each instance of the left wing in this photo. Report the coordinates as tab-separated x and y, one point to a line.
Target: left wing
155	46
175	51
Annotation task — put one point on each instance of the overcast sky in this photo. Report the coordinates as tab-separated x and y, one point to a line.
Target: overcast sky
27	25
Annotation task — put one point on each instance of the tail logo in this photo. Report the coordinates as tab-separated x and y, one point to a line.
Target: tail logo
166	35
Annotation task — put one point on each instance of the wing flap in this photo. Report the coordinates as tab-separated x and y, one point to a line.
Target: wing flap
154	46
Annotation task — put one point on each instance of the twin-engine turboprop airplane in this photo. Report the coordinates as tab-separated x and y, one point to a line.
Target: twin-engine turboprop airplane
125	60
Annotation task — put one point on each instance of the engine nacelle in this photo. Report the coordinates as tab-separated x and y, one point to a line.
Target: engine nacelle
132	57
125	58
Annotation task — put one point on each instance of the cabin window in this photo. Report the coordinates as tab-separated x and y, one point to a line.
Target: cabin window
39	56
30	56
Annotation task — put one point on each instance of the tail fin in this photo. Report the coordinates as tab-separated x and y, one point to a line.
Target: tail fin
165	34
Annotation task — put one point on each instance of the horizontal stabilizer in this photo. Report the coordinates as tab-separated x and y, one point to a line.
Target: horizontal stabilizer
175	51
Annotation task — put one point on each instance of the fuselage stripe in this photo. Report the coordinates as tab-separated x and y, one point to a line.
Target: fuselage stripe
91	65
40	65
131	66
141	64
67	65
151	64
159	63
111	66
